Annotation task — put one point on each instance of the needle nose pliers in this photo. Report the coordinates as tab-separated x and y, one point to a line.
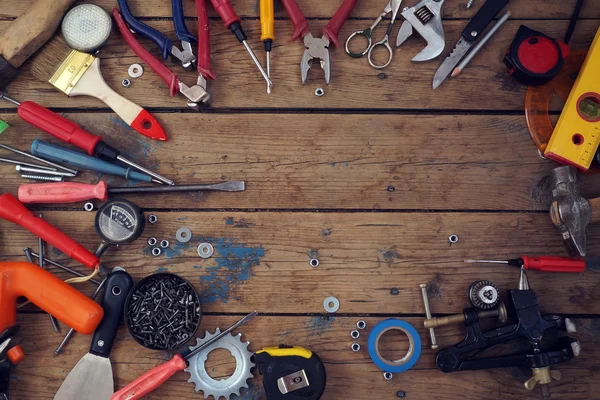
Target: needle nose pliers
314	47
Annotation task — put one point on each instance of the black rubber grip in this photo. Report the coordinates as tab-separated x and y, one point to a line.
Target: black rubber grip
118	284
482	19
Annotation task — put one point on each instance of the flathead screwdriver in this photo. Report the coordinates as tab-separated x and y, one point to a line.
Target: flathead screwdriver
70	132
267	26
545	264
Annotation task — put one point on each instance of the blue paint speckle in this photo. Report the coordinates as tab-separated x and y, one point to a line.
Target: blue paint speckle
318	325
312	253
252	393
229	221
326	232
161	269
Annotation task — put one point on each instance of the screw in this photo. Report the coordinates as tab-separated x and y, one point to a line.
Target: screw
40	171
428	314
388	376
355	346
474	33
43	178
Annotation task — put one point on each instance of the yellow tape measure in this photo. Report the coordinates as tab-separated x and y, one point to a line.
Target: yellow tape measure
576	136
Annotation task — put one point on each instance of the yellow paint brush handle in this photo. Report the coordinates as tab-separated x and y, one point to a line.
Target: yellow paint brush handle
267	20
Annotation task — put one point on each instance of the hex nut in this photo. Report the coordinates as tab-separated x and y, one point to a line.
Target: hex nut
164	244
355	346
388	376
361	324
355	334
126	82
314	262
452	239
156	251
152	241
152	218
88	206
319	92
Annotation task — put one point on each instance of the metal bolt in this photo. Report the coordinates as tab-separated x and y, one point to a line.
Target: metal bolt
314	262
355	334
428	314
126	82
474	33
43	178
391	188
361	324
355	346
388	376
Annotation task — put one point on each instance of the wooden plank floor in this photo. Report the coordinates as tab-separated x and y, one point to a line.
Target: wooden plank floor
370	178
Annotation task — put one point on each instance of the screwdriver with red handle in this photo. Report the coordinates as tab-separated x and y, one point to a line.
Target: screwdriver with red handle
69	132
545	264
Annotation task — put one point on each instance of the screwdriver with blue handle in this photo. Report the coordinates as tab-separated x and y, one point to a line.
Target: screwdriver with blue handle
77	159
267	26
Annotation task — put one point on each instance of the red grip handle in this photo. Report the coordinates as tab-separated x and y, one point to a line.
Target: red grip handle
159	69
335	24
58	126
13	211
225	11
61	192
300	23
204	41
553	264
151	380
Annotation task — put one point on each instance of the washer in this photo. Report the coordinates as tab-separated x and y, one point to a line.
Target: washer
355	346
331	304
355	334
361	324
314	262
183	234
156	251
414	348
135	70
164	243
205	250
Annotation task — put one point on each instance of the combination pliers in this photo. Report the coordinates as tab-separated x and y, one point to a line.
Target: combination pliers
316	48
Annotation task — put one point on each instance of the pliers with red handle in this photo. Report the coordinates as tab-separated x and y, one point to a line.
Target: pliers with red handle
195	94
317	48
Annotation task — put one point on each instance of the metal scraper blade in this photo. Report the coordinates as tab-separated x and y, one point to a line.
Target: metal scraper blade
90	379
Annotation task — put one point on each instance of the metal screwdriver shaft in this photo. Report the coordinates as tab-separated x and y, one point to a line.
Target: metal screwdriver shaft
24	154
41	245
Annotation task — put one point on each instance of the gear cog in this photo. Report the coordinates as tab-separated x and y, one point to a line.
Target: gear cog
224	387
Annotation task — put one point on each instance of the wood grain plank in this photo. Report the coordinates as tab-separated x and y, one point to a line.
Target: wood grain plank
536	9
262	258
332	161
354	85
349	374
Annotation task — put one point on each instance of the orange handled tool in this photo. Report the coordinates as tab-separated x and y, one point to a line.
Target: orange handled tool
157	376
12	210
65	192
47	292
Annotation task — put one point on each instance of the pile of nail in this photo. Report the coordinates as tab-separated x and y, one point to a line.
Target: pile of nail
163	311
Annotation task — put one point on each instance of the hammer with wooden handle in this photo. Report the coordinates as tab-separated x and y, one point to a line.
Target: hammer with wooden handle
27	34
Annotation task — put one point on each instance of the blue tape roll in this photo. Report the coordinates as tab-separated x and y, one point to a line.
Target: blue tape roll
394	324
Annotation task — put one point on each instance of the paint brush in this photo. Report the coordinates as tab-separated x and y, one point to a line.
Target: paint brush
78	74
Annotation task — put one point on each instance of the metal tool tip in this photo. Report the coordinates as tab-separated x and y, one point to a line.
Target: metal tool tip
469	261
157	181
455	72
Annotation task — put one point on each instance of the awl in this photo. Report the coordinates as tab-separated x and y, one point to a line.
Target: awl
545	264
72	192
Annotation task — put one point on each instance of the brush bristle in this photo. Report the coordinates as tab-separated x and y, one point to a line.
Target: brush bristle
49	58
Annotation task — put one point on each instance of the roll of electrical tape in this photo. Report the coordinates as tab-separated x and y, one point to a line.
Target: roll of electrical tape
414	345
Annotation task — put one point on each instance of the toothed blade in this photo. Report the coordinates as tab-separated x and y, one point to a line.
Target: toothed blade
462	47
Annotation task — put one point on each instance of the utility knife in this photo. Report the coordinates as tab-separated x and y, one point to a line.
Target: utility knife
469	35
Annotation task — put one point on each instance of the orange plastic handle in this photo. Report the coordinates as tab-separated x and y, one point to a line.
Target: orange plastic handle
62	192
151	379
47	292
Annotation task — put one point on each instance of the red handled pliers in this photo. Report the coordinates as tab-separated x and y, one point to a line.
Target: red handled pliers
317	48
195	94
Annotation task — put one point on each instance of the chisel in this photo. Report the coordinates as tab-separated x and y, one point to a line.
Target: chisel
72	192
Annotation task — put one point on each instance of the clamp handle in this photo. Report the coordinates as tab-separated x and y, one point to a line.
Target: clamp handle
297	17
163	42
163	72
332	29
204	41
179	21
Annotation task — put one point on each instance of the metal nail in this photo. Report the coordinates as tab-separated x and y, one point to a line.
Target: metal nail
43	178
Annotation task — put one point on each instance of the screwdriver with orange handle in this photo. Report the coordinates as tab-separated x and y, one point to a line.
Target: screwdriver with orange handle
545	264
267	26
159	375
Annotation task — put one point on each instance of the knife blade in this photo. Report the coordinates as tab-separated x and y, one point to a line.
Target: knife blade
469	35
92	378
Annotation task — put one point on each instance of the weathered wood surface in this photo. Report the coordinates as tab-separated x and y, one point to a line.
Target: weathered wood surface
459	159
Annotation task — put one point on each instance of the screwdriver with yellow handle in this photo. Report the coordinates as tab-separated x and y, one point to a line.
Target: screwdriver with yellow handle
267	26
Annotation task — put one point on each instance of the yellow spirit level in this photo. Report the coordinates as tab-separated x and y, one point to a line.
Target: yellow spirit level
576	136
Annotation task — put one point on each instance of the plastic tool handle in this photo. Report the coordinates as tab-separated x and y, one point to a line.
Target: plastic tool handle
226	12
118	284
58	126
335	24
179	21
80	160
204	41
267	20
159	69
151	379
481	20
553	264
62	192
300	23
163	42
12	210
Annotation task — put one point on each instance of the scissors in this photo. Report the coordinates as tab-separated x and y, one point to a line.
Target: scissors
392	7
